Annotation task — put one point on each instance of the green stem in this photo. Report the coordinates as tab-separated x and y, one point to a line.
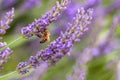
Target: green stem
11	43
14	75
14	41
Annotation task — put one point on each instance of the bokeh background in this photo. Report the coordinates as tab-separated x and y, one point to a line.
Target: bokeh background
102	66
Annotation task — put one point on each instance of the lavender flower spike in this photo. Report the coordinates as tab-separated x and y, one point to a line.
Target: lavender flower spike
63	44
40	25
4	24
4	56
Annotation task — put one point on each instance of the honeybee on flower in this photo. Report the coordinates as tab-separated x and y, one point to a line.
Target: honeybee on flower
44	35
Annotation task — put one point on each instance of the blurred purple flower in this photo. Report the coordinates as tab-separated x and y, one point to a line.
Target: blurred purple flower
66	17
2	44
80	69
92	3
30	4
70	12
8	3
108	44
112	8
95	51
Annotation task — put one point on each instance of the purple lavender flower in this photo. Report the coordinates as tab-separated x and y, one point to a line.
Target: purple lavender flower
38	73
41	24
70	12
108	44
20	67
4	56
2	44
4	24
63	44
60	24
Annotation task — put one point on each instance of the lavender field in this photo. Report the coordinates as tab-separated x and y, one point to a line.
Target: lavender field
59	39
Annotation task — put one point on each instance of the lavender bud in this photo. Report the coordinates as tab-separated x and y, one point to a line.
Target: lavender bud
33	61
21	69
4	55
2	44
9	16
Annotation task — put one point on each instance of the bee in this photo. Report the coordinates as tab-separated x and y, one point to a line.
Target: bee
44	36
